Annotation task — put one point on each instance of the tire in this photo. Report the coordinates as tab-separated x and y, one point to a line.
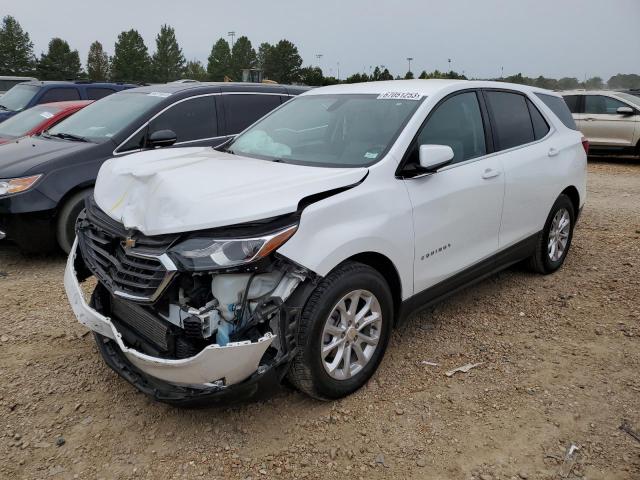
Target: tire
66	223
309	371
546	260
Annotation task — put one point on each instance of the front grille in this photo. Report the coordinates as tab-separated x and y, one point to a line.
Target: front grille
140	273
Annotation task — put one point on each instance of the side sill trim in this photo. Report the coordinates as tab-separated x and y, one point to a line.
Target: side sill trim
467	277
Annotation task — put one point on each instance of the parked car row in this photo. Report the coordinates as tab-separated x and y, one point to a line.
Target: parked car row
29	94
47	177
293	249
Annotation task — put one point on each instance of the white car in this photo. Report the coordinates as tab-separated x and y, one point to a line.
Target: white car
296	248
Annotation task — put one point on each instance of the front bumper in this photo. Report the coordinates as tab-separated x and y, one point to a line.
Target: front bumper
214	367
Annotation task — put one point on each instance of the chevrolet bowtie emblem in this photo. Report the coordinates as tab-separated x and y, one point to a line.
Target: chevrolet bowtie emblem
129	242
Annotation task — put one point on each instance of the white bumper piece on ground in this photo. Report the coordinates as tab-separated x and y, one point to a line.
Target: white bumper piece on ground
232	363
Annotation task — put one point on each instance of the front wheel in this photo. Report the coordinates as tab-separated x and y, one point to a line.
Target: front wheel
344	331
555	239
66	223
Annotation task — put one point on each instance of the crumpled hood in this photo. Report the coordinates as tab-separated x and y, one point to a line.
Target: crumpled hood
186	189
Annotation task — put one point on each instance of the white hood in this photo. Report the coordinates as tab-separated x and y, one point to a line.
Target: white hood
185	189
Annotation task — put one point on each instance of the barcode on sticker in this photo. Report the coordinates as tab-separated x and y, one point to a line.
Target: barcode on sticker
400	96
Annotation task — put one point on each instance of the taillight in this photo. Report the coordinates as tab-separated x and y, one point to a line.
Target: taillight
585	145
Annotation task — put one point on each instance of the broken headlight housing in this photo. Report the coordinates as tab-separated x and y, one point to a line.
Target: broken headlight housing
204	253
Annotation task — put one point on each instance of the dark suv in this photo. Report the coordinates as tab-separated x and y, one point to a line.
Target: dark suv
29	94
45	179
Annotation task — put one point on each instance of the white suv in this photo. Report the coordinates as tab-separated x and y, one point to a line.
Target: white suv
295	249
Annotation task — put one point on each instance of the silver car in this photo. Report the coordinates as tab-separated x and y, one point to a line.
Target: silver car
609	120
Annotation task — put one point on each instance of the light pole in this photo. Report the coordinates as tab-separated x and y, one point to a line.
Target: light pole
233	36
319	58
449	60
338	71
409	60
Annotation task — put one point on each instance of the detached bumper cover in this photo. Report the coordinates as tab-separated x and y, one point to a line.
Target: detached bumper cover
232	363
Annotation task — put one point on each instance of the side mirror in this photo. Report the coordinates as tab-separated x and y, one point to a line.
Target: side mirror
162	138
625	111
432	157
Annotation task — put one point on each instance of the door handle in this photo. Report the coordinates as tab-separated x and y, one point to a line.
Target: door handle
553	152
589	119
490	173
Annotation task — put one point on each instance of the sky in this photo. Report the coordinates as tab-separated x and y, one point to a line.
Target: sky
554	38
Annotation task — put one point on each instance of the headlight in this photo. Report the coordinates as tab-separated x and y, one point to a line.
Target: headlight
198	254
17	185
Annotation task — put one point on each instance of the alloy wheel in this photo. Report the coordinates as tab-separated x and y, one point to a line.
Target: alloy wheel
351	334
559	234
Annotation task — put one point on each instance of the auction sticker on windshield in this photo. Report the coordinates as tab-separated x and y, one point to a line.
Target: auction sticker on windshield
47	115
400	96
160	94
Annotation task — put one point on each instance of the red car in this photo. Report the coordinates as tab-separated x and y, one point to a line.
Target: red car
38	119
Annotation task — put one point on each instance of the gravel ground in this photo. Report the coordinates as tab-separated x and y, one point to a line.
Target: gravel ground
560	358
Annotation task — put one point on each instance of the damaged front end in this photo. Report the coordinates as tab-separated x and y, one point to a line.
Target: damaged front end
190	317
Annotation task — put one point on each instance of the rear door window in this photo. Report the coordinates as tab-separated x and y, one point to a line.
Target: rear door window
95	93
241	110
59	95
193	119
601	105
510	119
560	109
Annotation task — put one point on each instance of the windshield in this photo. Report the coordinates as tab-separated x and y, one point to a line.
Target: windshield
107	117
22	123
628	97
18	97
327	130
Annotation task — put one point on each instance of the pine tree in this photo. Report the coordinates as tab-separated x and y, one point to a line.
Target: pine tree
130	62
97	63
168	62
219	61
60	62
242	56
16	49
283	62
194	70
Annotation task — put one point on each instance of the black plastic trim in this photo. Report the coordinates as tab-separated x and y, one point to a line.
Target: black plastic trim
467	277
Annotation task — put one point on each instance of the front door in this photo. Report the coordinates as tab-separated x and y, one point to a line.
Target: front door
457	210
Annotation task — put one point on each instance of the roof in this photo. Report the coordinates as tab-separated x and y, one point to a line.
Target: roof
78	82
68	104
424	87
176	87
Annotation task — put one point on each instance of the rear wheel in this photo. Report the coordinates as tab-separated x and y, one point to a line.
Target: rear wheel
66	223
344	332
555	239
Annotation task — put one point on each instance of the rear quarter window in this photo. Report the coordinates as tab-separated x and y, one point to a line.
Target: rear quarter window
559	108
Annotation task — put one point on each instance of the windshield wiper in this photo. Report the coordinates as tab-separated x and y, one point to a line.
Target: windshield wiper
69	136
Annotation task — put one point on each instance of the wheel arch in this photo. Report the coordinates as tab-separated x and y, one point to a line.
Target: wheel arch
70	193
574	196
383	265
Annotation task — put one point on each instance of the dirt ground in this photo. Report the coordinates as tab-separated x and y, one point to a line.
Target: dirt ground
560	366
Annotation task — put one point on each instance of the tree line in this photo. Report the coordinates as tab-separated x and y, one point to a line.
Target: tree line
280	62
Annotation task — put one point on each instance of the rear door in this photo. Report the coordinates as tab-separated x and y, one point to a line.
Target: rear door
456	211
603	126
531	157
